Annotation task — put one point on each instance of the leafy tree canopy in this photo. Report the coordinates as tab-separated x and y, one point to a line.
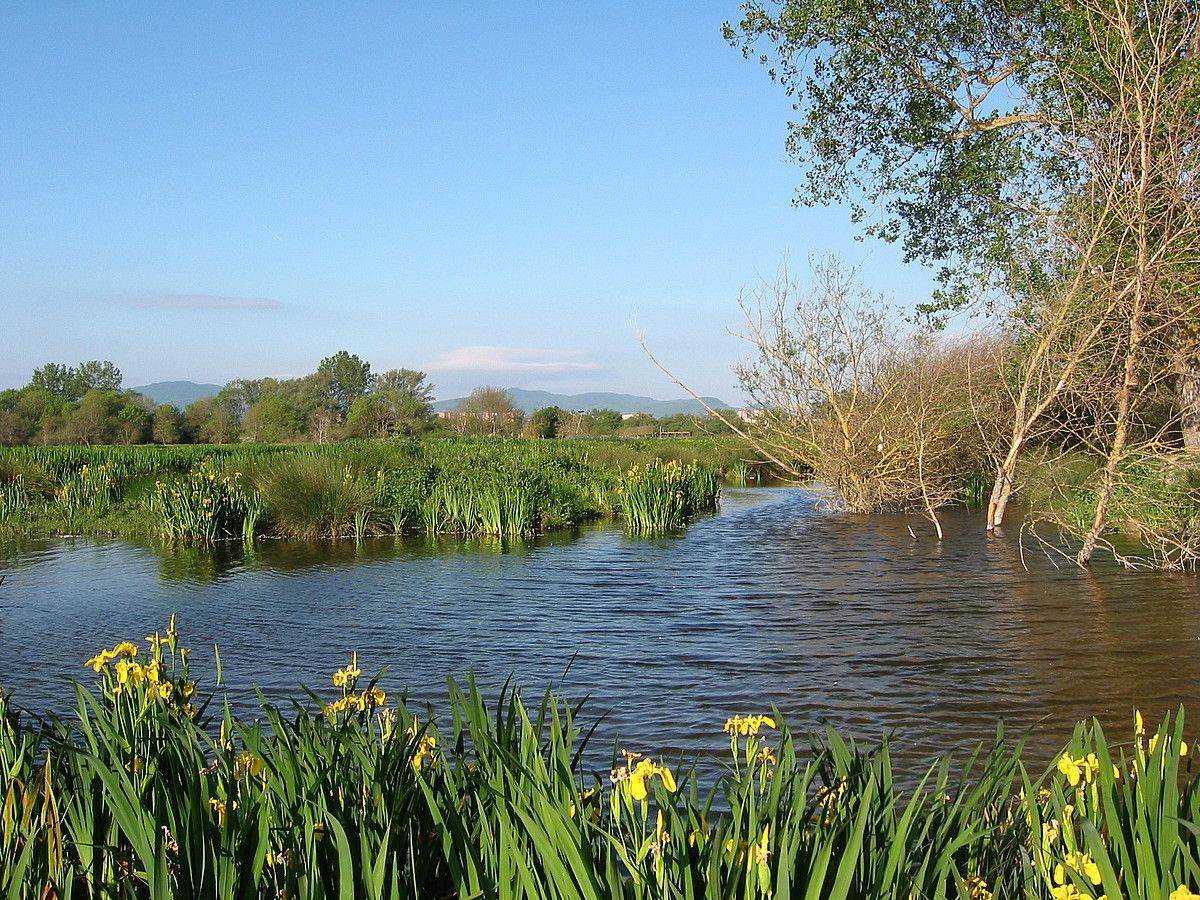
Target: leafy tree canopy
345	377
404	381
72	383
957	127
547	421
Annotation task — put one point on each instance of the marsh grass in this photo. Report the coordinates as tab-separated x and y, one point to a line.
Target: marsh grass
148	791
974	490
317	496
23	483
663	496
504	488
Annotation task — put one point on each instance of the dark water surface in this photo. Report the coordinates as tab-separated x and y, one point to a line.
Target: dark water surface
835	618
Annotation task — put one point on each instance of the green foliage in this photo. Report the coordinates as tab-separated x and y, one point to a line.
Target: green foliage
1121	821
547	422
344	377
959	127
165	426
71	383
22	484
146	791
662	496
318	496
406	399
878	124
133	424
601	422
272	419
55	379
1155	504
694	425
205	506
459	486
212	420
91	489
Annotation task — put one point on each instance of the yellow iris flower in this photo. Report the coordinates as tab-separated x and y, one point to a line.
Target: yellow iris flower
747	725
1083	769
1078	862
643	773
426	751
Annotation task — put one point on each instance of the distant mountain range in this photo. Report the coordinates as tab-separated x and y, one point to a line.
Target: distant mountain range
528	401
177	393
181	393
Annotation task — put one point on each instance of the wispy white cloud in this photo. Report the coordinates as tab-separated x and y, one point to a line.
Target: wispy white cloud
203	302
511	359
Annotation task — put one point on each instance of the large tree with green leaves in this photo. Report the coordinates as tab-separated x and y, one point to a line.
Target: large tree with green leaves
73	382
1043	152
405	398
960	128
344	378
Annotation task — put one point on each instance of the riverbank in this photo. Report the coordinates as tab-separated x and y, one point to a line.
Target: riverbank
1152	519
151	788
358	489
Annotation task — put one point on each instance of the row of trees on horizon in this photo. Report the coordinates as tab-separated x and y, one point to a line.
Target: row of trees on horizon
342	399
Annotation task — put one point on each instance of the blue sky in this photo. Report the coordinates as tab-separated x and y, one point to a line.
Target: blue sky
495	193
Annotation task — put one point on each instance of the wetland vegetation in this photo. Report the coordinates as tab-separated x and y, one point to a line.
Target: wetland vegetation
454	486
1042	159
1042	156
153	788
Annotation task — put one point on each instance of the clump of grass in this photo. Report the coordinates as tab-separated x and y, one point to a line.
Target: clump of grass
318	496
205	506
974	490
662	496
91	489
505	510
23	485
738	473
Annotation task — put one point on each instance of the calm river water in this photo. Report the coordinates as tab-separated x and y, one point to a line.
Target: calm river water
832	618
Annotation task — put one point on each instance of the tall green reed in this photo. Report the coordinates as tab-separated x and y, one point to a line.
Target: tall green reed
499	487
149	791
662	496
205	506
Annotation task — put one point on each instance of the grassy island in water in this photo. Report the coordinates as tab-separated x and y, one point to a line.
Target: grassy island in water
358	489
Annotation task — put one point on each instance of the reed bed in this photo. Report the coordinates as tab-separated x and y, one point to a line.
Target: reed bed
503	488
153	788
205	506
663	496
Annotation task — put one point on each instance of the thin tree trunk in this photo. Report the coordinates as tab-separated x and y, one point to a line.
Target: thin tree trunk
1122	421
1188	367
1103	497
930	510
1002	487
1124	412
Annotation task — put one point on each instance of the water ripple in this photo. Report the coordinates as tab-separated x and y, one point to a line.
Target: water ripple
772	602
